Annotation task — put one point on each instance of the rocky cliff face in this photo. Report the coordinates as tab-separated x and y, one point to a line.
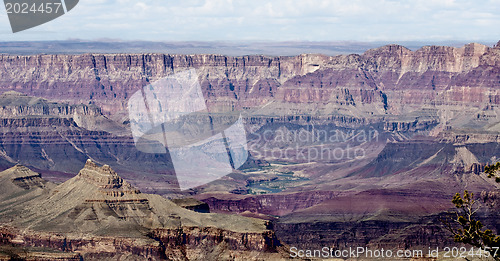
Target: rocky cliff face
387	78
372	234
60	137
106	179
395	201
99	215
276	205
15	104
26	179
392	87
448	93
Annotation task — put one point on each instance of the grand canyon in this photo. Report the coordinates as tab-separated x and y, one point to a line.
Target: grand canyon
349	150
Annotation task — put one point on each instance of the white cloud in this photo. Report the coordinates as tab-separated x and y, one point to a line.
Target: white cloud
316	20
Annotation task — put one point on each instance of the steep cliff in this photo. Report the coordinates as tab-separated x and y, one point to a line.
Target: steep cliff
58	138
446	92
99	215
389	78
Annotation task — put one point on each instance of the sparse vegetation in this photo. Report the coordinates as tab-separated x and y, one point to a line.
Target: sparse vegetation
470	230
492	170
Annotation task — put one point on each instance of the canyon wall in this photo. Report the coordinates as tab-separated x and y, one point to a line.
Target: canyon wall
387	78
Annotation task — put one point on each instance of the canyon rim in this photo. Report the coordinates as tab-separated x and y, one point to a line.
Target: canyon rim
343	151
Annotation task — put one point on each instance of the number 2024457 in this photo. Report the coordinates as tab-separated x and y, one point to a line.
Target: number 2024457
33	8
462	252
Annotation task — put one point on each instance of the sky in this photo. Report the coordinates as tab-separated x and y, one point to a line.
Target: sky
280	20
